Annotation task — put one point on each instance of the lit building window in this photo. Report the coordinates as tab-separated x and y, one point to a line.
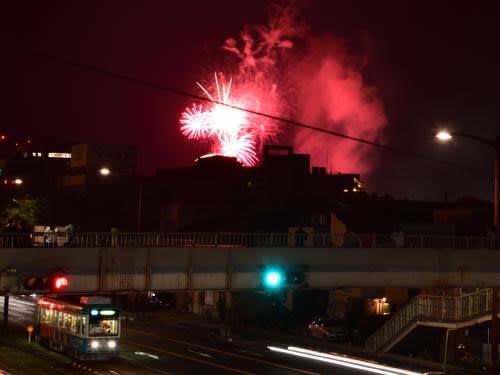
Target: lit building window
379	306
60	155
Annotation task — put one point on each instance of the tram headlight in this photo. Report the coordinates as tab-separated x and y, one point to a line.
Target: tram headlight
111	344
94	344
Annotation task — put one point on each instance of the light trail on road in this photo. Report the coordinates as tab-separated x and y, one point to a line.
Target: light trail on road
343	361
22	310
226	353
209	363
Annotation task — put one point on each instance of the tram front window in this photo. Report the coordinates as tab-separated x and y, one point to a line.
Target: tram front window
103	327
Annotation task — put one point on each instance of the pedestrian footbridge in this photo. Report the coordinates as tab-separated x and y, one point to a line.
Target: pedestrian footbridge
432	311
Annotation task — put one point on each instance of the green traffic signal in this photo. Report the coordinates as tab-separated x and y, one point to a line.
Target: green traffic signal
273	278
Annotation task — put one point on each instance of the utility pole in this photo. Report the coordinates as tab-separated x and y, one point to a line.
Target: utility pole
139	209
496	187
5	311
494	328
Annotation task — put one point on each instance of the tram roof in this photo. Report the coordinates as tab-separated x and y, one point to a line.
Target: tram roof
66	303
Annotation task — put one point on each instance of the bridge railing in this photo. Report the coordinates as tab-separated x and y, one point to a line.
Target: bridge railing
235	239
427	308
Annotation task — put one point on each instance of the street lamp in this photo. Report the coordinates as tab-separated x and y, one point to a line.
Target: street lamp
445	136
104	171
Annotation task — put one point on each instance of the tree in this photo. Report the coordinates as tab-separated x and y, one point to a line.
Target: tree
28	211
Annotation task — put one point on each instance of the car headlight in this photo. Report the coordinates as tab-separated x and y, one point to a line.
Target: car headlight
112	344
94	344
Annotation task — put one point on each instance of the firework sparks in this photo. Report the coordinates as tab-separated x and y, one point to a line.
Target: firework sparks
234	132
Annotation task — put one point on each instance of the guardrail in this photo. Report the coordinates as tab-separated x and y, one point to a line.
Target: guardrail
233	239
427	308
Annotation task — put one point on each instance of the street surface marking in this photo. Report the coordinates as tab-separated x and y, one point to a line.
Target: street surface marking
147	355
252	353
195	359
224	352
136	363
200	353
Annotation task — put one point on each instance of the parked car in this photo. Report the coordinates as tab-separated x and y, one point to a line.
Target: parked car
328	329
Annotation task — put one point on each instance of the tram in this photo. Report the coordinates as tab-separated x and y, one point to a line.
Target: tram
86	330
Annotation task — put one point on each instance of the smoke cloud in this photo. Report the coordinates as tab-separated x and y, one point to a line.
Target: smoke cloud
319	83
332	94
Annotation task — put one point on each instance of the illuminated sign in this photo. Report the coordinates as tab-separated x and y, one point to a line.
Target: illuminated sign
107	312
94	312
60	155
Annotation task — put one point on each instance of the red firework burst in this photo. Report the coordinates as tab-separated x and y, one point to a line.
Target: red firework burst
234	132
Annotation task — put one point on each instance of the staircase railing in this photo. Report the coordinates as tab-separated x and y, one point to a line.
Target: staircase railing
431	309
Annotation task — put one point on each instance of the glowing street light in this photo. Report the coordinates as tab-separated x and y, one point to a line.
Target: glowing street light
104	171
444	135
17	181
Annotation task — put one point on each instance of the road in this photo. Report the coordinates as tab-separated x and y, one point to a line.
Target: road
158	348
21	310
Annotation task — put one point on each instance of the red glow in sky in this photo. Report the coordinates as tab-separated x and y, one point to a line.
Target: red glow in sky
321	87
334	95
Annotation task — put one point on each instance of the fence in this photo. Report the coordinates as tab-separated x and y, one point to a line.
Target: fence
233	239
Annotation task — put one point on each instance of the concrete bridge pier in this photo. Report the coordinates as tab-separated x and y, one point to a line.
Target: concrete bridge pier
196	304
220	307
290	299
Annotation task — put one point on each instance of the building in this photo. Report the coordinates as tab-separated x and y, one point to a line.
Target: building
91	163
218	194
37	172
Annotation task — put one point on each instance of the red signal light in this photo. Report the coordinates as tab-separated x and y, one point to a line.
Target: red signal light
59	283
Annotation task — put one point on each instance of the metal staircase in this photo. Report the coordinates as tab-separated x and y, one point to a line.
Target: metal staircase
434	311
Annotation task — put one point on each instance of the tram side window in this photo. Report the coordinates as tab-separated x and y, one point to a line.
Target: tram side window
44	316
67	321
75	324
60	319
64	320
84	325
48	316
52	317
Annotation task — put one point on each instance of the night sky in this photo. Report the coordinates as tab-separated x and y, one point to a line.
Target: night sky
430	62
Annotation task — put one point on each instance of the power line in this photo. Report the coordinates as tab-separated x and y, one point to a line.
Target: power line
182	93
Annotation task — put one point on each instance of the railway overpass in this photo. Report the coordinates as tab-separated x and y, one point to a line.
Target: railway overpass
121	262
